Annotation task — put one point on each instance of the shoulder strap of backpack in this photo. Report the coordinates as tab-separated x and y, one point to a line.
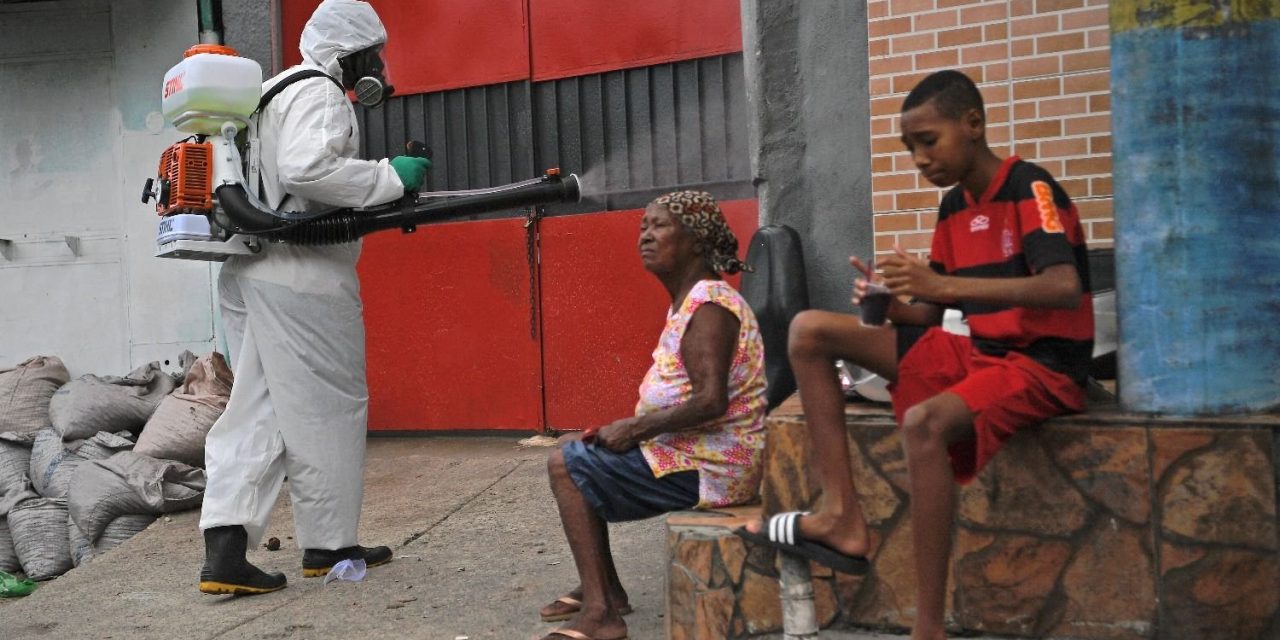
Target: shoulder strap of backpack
271	93
301	75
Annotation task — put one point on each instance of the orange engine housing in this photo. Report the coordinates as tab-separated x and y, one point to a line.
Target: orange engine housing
186	179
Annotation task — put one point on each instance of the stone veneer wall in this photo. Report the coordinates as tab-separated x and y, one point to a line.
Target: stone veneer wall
720	587
1099	526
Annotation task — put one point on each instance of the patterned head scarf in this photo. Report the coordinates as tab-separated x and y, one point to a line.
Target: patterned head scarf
699	213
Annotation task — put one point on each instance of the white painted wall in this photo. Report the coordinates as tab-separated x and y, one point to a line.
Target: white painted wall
80	132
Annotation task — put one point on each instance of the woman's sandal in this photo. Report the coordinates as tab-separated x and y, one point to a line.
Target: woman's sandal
573	635
574	605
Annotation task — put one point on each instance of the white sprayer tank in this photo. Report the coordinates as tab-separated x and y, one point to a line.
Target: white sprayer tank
209	87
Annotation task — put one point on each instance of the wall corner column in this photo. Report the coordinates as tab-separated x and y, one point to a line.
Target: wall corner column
808	122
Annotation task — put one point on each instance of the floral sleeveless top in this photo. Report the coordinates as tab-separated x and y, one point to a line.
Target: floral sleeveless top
726	452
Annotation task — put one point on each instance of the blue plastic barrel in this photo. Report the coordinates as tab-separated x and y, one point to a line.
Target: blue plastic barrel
1196	126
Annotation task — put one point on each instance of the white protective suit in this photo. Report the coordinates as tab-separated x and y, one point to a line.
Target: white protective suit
292	314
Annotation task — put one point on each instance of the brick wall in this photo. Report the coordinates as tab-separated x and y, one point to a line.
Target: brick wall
1044	70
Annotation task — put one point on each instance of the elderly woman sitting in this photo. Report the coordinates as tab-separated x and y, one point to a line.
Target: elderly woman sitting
698	431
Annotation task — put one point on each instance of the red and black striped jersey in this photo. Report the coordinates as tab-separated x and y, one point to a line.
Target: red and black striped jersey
1023	224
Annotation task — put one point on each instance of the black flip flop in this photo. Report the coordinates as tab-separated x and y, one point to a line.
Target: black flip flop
781	534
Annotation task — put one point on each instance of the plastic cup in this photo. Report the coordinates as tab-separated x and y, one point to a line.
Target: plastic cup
875	305
347	570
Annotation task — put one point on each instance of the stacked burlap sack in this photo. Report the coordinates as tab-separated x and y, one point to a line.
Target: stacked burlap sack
102	460
25	391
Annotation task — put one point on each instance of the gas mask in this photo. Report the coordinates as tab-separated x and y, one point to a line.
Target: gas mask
365	74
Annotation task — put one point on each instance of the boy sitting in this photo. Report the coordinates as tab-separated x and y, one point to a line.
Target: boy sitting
1008	251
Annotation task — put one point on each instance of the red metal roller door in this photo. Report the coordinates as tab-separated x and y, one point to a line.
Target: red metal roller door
576	37
447	321
446	44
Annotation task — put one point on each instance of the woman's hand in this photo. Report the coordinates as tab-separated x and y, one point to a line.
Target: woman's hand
620	435
912	277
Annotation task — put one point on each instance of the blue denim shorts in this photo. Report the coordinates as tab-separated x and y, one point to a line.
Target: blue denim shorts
622	487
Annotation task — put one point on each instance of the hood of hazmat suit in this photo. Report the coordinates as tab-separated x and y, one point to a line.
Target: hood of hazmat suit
339	29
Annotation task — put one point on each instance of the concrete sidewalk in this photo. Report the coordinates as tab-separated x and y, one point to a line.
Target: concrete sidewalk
478	550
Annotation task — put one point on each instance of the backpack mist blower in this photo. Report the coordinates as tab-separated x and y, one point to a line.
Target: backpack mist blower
206	192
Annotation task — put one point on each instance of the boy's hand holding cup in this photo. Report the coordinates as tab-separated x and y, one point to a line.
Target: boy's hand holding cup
873	303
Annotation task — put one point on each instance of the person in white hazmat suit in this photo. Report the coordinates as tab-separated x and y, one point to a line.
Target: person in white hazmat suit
294	324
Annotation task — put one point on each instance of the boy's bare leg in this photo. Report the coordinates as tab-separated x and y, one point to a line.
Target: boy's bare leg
927	429
817	339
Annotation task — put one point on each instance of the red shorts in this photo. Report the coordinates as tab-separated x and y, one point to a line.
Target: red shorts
1005	393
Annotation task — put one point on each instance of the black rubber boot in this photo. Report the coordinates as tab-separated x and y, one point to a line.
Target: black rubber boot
226	571
318	562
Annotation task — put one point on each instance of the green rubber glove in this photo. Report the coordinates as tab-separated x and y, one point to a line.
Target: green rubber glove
412	170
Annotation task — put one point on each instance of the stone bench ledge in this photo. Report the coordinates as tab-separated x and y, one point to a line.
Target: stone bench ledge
1104	524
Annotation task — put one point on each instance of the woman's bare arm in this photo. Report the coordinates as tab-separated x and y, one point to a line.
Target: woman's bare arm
708	346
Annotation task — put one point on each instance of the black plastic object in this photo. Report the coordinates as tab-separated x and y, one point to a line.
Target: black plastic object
777	290
1102	269
417	149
